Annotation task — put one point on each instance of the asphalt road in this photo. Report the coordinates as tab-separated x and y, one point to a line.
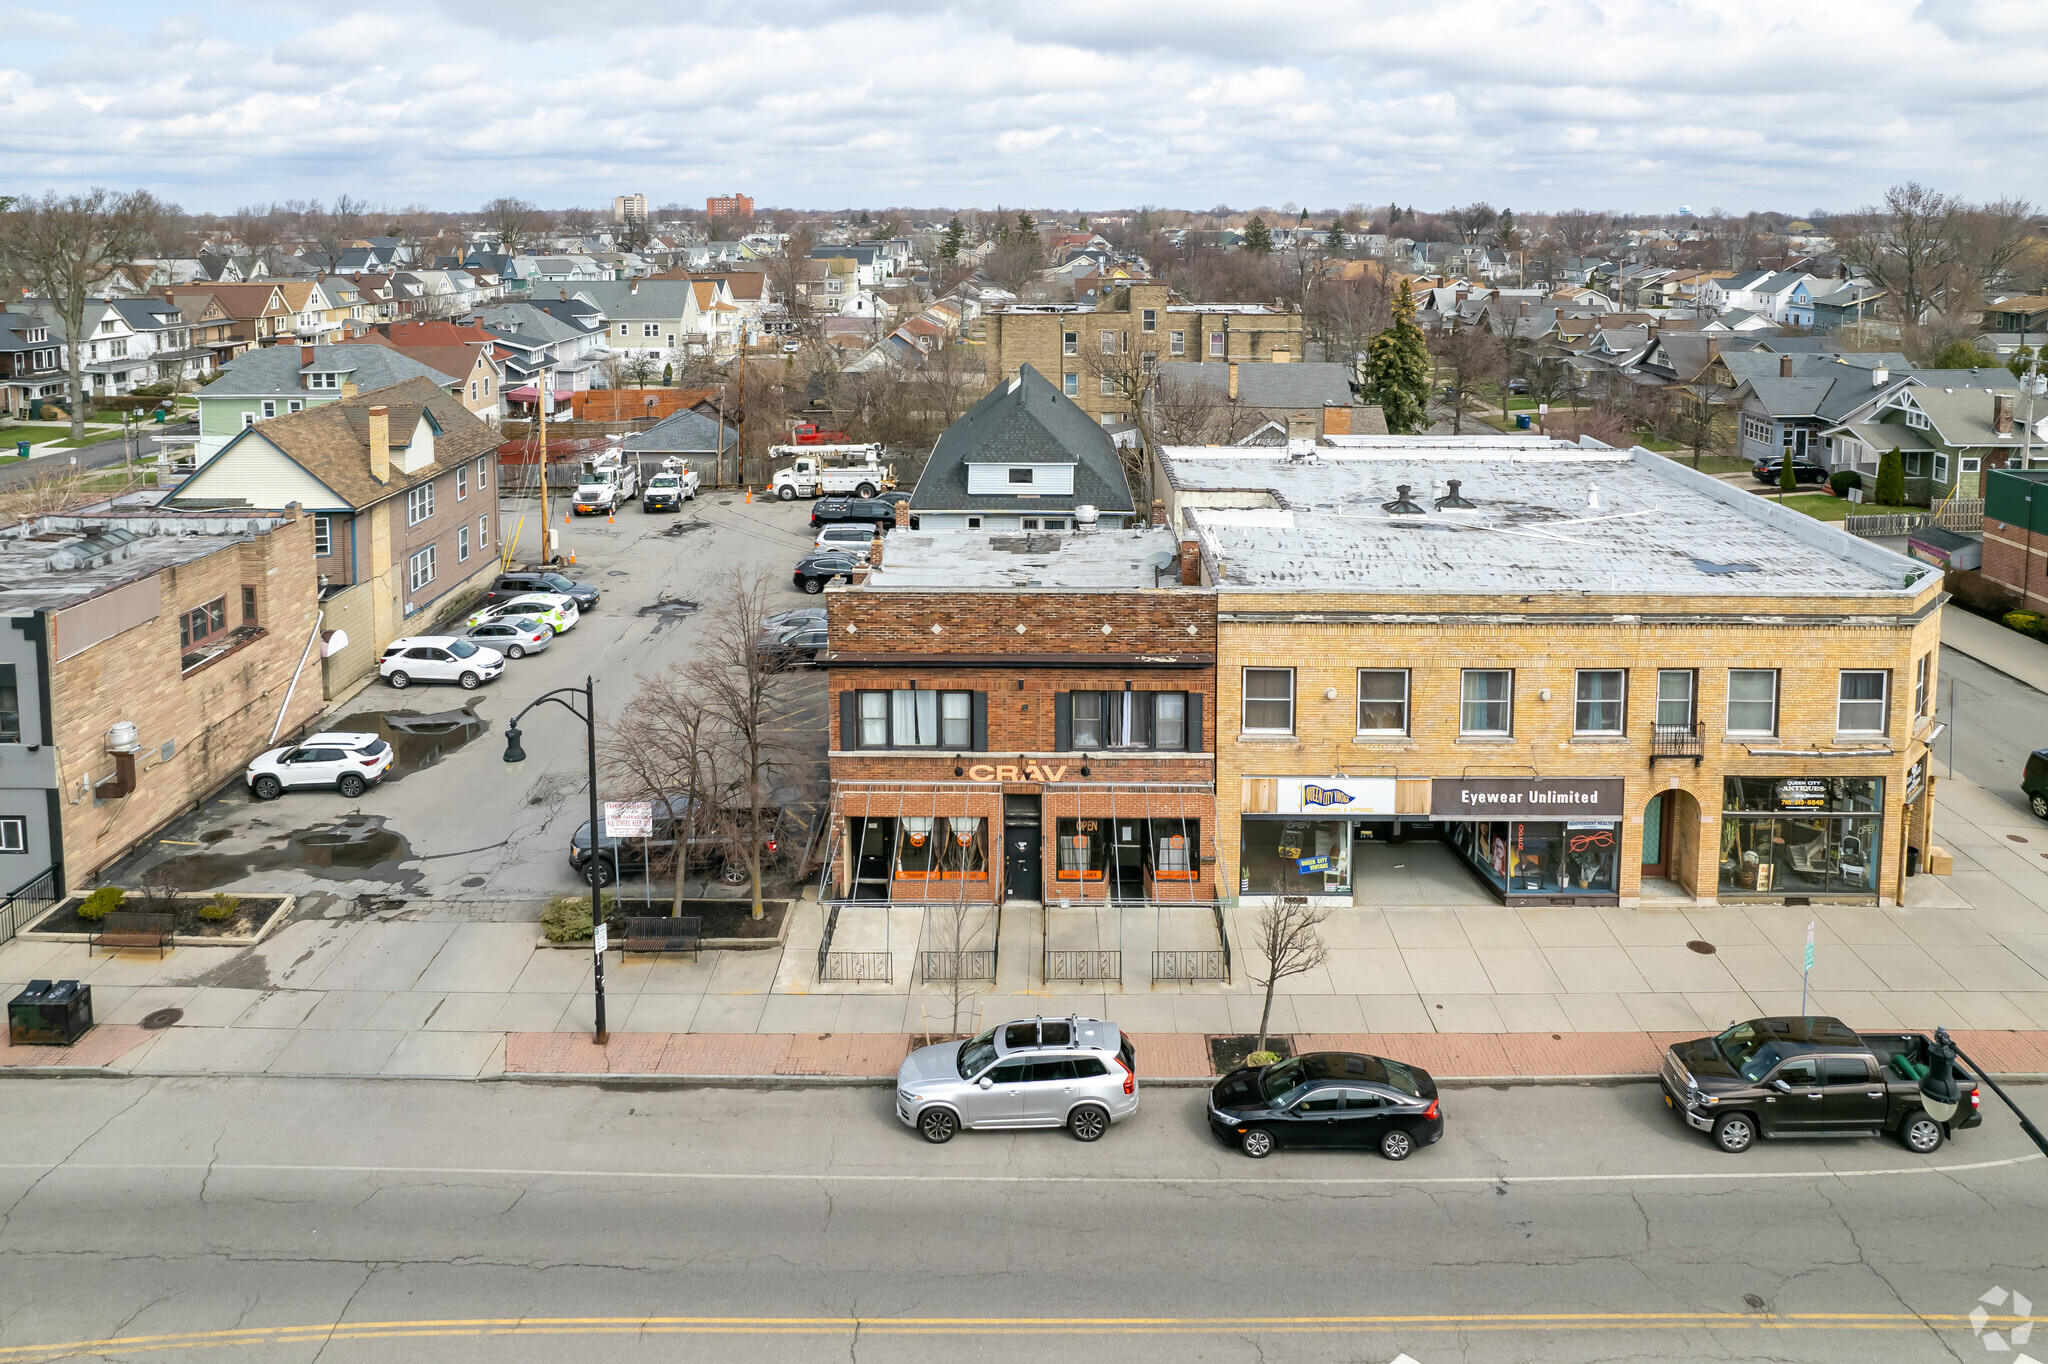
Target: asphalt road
1995	721
97	456
260	1220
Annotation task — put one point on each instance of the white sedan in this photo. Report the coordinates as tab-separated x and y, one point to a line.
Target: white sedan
549	608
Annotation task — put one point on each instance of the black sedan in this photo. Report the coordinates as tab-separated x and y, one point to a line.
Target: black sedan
827	510
813	571
1769	471
799	647
510	585
1327	1099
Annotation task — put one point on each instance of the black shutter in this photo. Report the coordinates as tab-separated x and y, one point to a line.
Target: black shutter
980	735
849	720
1063	722
1194	725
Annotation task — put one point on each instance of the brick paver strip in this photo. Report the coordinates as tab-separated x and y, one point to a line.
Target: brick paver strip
105	1044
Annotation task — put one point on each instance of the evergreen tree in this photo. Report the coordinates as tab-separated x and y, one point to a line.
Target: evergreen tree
1258	238
668	375
1026	223
1786	482
1398	369
950	244
863	216
1963	355
1891	479
1336	238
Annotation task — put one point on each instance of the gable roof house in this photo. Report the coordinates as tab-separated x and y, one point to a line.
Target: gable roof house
1786	404
692	435
110	356
162	338
402	485
1258	404
1951	426
562	338
1025	457
466	351
261	385
31	362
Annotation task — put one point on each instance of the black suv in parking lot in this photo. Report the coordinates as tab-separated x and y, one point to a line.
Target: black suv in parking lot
510	585
879	510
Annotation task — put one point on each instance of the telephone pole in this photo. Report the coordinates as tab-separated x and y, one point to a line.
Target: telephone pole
540	410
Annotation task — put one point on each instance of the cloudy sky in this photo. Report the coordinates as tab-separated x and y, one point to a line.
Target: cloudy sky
1636	105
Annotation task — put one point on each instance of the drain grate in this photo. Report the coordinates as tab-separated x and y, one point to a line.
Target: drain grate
160	1019
1705	949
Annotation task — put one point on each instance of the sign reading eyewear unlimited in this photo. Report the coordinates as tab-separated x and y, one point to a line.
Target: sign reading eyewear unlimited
1532	798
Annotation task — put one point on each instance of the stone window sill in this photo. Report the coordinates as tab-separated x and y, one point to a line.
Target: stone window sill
1487	740
1597	739
1290	739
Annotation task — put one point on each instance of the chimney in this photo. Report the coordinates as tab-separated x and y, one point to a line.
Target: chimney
1784	367
1302	426
634	287
565	295
1880	376
1233	381
875	550
2001	413
380	443
903	516
1190	563
348	388
1522	310
305	355
1158	512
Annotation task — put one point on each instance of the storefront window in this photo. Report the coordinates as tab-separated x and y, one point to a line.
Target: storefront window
1081	845
1801	835
917	855
1173	849
963	856
1295	857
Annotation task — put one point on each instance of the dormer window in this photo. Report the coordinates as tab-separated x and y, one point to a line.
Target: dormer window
332	381
1020	475
1917	419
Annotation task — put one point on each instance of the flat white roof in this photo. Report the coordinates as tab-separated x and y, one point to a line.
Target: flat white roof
1102	559
1546	517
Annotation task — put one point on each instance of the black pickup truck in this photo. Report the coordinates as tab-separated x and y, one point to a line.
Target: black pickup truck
1809	1077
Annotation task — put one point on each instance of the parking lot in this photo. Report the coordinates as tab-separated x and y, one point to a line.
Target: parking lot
451	822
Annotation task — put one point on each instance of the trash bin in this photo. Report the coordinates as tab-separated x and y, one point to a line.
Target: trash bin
1912	861
49	1014
35	409
1521	421
21	448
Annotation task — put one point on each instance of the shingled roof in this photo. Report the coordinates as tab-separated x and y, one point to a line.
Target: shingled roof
1024	421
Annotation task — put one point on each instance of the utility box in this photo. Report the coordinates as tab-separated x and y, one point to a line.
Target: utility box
49	1014
1940	862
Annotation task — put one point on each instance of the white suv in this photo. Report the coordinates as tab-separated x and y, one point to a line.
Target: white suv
439	658
349	763
1076	1073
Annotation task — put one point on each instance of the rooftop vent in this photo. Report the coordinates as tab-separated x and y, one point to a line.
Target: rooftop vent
1452	500
1402	505
1086	514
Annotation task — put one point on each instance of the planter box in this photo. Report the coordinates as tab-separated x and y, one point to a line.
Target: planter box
259	917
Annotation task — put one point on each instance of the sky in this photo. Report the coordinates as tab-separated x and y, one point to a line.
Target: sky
1641	106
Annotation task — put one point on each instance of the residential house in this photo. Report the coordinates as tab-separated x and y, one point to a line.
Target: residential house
692	435
152	655
665	320
110	361
1231	404
2014	322
161	338
213	328
871	266
1025	457
553	346
401	485
467	351
1821	305
31	363
259	312
1950	426
1786	404
262	385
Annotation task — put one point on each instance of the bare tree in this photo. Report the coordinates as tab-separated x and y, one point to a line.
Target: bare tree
952	930
1291	943
1347	313
1183	410
1577	230
336	232
512	221
665	747
1470	353
1907	245
733	678
1119	366
1992	238
66	247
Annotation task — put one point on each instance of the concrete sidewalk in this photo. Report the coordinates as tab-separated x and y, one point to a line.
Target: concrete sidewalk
1991	644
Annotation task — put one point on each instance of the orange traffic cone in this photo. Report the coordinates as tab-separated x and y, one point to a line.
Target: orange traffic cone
750	495
565	518
608	518
572	558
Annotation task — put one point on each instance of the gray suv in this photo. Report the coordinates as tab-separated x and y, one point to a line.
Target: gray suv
1076	1073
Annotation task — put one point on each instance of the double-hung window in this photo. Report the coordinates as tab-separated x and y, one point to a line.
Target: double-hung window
1752	700
1070	343
1108	343
323	535
1920	675
1860	701
419	504
1218	345
1176	343
915	718
1148	320
1383	701
461	481
1675	690
462	544
481	466
419	569
1486	701
1070	384
1269	700
1602	701
1092	721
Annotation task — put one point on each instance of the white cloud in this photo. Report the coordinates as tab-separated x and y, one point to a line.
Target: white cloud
1632	104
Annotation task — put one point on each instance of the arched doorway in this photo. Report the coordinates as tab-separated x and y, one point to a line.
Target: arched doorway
1671	844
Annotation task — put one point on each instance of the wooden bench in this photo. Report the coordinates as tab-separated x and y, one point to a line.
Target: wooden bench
123	929
661	935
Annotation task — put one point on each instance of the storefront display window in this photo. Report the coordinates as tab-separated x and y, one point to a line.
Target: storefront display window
1801	835
963	853
1296	857
1174	844
1081	845
1572	858
917	855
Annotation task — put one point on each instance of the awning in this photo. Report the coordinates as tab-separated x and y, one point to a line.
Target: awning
531	392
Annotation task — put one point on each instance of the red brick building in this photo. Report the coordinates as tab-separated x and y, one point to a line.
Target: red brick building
1022	718
729	206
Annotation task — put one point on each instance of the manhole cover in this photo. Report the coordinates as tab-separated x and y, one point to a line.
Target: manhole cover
725	502
1754	1301
1705	949
161	1019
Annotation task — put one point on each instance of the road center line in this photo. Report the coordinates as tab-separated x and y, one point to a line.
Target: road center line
1163	1181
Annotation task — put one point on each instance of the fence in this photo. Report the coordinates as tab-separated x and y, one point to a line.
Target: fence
29	901
1084	964
972	964
1961	514
876	966
1211	963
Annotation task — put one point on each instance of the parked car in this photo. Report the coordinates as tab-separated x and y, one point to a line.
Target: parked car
852	536
551	609
1518	386
1076	1073
439	658
338	760
792	347
1808	1077
813	571
1767	471
800	646
629	856
510	585
877	510
1328	1099
513	636
782	622
668	492
2034	782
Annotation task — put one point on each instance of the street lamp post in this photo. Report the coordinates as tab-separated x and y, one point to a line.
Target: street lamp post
515	755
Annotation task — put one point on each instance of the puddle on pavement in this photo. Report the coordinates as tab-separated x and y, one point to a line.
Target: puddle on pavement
216	835
357	848
420	740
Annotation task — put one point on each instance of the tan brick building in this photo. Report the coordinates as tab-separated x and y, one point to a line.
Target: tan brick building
1520	671
1090	353
195	629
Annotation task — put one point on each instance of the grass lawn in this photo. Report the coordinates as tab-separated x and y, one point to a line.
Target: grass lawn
1820	506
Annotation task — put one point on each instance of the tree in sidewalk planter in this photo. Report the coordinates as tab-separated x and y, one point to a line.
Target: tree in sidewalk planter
567	917
1398	370
1290	942
1891	478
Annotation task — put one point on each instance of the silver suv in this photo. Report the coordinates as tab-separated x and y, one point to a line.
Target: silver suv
1076	1073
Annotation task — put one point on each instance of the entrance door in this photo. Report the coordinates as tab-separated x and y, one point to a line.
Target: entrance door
1653	836
874	851
1127	858
1023	871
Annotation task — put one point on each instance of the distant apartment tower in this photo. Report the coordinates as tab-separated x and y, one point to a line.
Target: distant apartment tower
729	206
629	208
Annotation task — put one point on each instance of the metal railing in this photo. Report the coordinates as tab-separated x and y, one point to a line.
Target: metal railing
1677	741
27	903
1208	963
876	966
971	964
1084	964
